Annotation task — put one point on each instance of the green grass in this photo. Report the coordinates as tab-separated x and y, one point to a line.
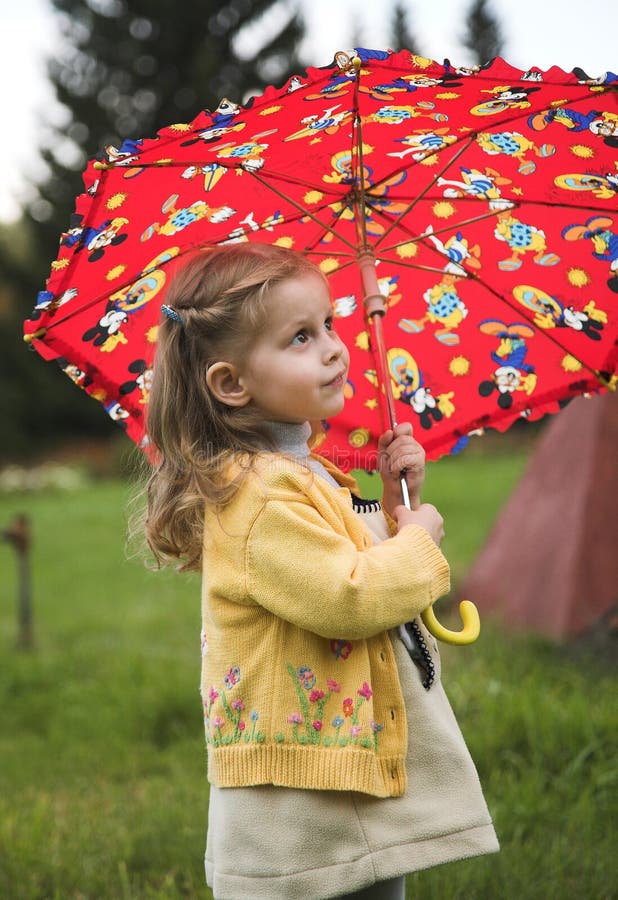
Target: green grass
102	770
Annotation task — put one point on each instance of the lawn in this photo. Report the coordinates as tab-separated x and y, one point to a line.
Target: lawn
102	770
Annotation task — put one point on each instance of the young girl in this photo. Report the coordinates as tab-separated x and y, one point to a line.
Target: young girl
336	765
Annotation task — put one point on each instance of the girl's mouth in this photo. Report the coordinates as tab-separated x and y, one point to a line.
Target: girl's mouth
338	380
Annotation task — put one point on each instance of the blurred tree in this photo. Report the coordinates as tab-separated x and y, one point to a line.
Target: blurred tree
483	35
401	36
124	69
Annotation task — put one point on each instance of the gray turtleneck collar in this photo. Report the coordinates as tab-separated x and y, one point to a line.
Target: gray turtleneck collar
291	438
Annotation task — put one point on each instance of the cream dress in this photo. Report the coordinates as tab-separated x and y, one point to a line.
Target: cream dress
273	843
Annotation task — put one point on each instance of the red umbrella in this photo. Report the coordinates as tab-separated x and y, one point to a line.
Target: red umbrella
486	199
479	207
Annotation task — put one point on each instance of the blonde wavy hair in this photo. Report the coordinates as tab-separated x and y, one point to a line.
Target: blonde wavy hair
219	296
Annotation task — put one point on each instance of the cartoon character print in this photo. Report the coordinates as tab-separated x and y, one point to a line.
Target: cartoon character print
107	333
222	124
82	379
422	144
604	241
117	413
514	145
513	373
329	122
505	97
457	250
603	186
474	183
141	381
249	153
512	348
600	124
506	381
396	115
584	78
248	224
179	218
48	302
126	155
97	239
550	313
409	387
404	84
521	238
445	308
212	173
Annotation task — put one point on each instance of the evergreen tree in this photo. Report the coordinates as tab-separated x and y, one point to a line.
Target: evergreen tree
401	36
128	67
124	69
483	35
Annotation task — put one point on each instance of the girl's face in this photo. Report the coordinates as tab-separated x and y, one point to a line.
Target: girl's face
297	368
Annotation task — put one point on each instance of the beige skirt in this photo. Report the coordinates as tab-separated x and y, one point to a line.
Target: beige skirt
272	843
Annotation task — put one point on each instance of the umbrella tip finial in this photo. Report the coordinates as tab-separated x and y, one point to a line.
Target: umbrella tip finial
35	335
356	62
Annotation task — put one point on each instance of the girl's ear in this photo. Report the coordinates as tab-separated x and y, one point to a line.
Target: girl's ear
223	380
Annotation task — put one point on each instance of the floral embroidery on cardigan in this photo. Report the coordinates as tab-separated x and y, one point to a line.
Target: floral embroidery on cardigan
340	649
233	710
312	701
309	724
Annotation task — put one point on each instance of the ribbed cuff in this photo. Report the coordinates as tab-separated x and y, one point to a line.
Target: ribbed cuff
430	557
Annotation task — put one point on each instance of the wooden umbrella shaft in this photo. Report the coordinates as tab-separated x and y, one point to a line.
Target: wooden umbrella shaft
376	309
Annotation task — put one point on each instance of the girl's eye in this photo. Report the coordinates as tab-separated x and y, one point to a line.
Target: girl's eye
300	338
328	324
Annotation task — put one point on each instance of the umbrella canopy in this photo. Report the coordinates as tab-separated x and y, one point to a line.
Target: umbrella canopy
481	204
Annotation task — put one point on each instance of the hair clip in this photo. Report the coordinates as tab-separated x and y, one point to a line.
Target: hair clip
171	313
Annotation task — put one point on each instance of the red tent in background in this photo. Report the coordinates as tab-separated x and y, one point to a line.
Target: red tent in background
550	564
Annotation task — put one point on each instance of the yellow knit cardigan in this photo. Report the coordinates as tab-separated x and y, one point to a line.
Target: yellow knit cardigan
299	682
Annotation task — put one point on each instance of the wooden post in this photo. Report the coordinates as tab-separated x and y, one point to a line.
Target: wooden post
18	534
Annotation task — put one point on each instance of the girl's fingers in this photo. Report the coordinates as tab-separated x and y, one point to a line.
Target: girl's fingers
403	428
385	439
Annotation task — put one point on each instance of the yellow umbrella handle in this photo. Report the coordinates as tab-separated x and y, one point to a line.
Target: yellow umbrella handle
467	610
468	634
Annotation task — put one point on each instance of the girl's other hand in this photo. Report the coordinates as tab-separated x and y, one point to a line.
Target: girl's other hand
398	450
426	515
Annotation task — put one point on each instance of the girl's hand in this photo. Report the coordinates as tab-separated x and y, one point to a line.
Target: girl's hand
398	450
427	516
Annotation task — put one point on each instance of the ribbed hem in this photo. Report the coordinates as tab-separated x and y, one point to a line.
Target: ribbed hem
310	768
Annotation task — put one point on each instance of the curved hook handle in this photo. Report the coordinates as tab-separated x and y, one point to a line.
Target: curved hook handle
468	634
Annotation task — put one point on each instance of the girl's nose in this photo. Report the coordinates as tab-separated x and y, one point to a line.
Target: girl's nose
334	348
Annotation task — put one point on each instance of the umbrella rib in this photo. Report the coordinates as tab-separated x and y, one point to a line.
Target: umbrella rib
300	182
358	168
304	211
420	196
450	227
